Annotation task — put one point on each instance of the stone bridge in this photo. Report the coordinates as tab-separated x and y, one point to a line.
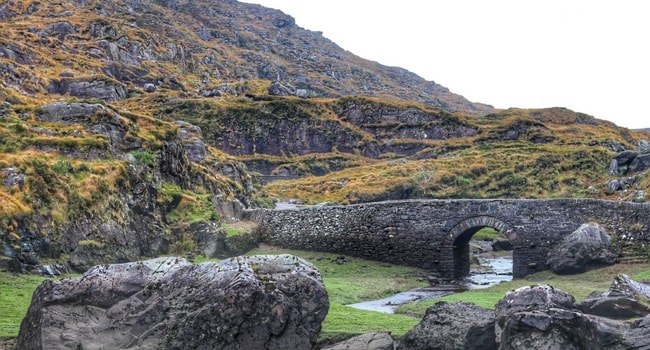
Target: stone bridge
434	234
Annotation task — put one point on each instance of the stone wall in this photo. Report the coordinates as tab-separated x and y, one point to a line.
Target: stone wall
433	234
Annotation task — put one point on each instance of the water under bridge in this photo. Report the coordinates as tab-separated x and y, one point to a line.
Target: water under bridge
435	234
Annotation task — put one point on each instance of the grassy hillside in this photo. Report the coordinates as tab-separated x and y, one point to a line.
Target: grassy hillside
95	145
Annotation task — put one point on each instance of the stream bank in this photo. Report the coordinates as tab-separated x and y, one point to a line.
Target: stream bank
493	271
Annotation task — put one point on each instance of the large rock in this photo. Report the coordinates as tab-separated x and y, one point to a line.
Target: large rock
452	326
560	329
644	145
625	299
107	90
587	246
612	306
279	89
640	163
541	317
623	285
259	302
502	244
625	157
97	118
369	341
192	141
532	298
613	168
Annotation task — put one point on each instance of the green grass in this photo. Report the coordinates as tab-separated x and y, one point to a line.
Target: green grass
343	322
349	280
487	234
354	281
234	230
15	296
580	286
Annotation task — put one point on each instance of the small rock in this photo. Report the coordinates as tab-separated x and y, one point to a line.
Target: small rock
614	185
13	177
278	89
613	168
149	87
640	163
639	197
301	93
369	341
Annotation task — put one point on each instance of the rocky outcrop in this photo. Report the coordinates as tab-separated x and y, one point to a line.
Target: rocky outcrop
227	41
628	161
260	302
279	89
369	341
57	29
6	12
364	127
640	163
625	299
588	246
96	118
528	299
192	141
125	217
101	89
452	326
541	317
643	146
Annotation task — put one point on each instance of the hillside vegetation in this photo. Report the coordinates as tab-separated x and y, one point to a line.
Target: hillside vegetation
357	149
131	129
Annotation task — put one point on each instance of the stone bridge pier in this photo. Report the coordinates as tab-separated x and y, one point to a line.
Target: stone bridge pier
435	234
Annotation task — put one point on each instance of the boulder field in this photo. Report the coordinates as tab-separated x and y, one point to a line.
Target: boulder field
279	302
540	317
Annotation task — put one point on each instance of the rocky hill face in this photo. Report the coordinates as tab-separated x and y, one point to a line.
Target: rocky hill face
110	50
137	128
357	149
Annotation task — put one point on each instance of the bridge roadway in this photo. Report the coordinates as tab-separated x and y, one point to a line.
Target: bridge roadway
435	234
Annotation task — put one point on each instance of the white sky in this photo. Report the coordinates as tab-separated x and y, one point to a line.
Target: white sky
589	56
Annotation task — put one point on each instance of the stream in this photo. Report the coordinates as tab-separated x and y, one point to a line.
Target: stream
499	270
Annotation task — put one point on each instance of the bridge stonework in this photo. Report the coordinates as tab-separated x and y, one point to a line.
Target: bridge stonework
434	234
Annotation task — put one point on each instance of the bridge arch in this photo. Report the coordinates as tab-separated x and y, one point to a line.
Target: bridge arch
459	236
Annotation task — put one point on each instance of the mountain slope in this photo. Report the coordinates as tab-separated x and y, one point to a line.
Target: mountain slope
118	46
138	128
358	149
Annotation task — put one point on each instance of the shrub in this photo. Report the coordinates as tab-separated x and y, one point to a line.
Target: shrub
144	158
463	181
62	166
